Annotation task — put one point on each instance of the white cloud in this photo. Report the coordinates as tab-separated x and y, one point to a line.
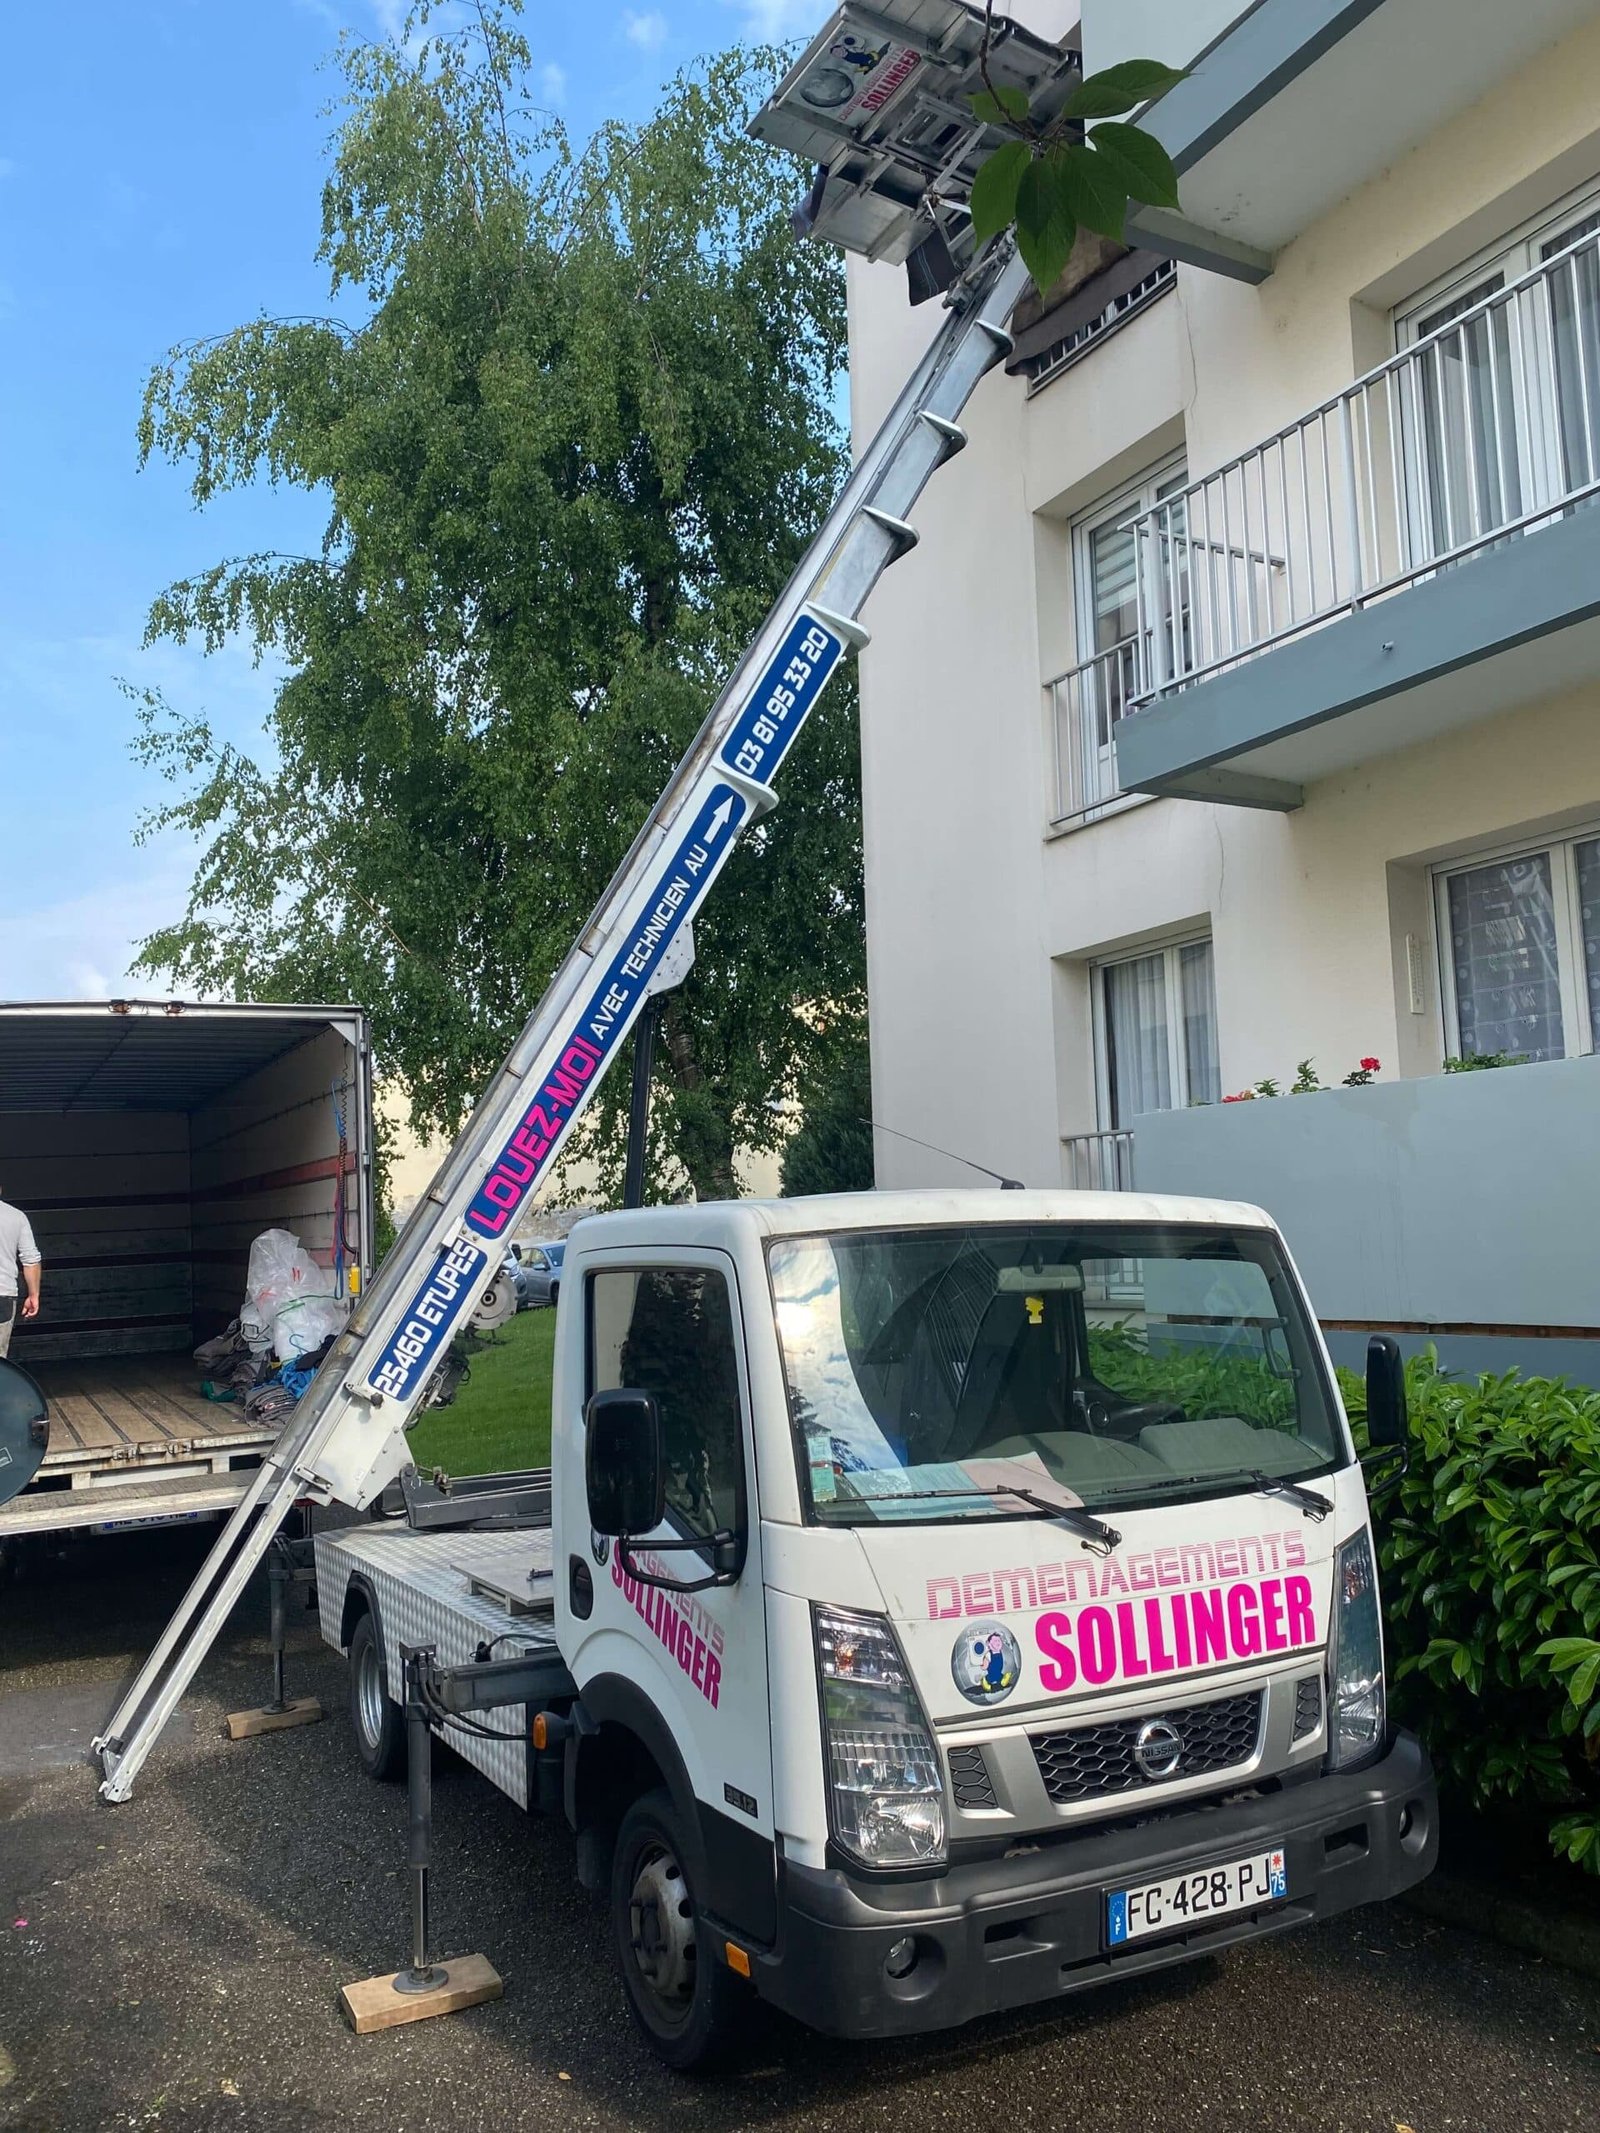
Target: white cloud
553	83
776	21
80	948
648	32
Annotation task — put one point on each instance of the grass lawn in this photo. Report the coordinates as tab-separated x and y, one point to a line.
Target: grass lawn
500	1419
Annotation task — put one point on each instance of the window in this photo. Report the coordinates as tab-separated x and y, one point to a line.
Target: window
1519	951
1094	696
1502	409
669	1331
1155	1032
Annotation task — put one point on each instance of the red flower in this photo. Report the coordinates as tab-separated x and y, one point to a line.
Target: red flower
1370	1066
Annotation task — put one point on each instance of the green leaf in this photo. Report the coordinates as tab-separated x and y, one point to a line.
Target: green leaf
1582	1685
1001	107
1141	164
994	189
1046	228
1120	88
1098	200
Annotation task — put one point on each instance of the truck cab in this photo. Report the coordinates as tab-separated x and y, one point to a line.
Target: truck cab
967	1598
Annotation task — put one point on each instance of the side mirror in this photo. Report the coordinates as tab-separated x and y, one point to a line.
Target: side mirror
1386	1394
623	1465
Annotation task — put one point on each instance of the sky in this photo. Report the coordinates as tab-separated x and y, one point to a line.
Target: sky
161	164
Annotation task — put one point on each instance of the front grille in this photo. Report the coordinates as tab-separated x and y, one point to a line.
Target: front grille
1088	1762
969	1779
1307	1706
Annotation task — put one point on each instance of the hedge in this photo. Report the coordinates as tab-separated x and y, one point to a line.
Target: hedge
1491	1590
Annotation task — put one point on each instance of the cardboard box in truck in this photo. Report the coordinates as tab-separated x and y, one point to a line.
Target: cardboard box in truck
149	1143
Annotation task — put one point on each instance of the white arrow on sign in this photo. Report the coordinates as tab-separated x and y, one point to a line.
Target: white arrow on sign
722	817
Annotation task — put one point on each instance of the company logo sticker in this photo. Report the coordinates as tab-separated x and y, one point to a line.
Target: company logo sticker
986	1662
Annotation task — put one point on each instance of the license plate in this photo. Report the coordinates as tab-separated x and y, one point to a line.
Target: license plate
1187	1899
137	1525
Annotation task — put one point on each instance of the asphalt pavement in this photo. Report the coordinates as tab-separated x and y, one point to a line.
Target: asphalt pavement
174	1962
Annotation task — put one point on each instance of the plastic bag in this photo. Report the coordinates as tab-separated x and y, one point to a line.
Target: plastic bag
291	1302
303	1323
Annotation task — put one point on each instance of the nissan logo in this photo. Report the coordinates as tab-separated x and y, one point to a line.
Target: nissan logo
1158	1748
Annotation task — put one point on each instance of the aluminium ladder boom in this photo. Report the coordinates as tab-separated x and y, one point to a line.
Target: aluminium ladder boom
345	1440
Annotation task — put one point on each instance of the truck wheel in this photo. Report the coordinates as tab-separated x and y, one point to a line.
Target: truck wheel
378	1721
683	1996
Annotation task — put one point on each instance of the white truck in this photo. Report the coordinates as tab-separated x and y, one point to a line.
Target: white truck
947	1601
936	1602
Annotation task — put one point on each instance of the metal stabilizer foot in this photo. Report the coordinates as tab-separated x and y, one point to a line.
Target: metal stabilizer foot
424	1988
422	1975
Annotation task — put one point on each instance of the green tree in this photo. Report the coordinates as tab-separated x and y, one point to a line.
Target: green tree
831	1148
573	436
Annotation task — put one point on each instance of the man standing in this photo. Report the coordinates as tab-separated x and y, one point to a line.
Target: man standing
17	1248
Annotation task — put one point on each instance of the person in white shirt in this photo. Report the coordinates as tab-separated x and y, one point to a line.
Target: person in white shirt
17	1248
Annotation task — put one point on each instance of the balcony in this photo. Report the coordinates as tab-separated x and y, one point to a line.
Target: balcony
1098	1162
1290	106
1086	705
1410	556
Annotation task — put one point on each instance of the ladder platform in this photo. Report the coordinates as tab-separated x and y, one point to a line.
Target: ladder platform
374	2003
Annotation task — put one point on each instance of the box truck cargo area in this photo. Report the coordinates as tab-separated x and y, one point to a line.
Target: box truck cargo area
149	1143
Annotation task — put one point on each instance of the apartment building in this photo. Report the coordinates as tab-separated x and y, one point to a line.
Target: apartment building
1240	704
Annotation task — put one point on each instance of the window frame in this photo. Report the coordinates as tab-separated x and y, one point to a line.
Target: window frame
1535	428
1129	502
685	1259
1561	848
1169	947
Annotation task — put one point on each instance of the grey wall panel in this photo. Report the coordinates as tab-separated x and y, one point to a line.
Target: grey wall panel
1457	1199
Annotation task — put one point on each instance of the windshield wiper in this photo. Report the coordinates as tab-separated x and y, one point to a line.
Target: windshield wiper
1315	1505
1096	1534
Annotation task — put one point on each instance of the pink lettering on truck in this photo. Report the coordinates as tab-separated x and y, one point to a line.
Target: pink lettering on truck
1142	1616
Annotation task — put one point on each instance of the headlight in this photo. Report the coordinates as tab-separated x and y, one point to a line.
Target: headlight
1355	1661
887	1798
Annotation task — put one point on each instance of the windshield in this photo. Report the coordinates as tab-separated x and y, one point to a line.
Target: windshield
930	1370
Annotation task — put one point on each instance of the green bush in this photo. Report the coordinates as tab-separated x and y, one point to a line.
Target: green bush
1200	1380
1492	1590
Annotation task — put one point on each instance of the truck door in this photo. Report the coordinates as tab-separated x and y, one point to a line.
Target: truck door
672	1327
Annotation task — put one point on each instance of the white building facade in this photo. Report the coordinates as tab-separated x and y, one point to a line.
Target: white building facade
1238	706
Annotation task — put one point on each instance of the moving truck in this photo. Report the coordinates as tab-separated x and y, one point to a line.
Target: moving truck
149	1143
946	1601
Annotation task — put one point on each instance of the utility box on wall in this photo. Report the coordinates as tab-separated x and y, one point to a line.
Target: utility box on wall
1457	1208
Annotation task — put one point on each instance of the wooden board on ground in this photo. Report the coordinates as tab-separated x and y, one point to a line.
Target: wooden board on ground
373	2002
298	1711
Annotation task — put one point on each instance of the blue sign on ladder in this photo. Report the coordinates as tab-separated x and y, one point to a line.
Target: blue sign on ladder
783	699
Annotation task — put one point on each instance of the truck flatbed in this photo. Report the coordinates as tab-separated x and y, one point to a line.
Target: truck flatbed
455	1591
133	1438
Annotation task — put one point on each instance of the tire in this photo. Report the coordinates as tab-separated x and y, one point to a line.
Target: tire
555	1291
375	1718
684	1998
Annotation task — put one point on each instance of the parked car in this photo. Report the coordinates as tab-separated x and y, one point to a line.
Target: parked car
513	1264
541	1273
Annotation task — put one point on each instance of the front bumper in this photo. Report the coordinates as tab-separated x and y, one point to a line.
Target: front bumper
1009	1932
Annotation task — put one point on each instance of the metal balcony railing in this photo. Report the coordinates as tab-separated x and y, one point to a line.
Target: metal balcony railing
1483	430
1099	1162
1085	705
